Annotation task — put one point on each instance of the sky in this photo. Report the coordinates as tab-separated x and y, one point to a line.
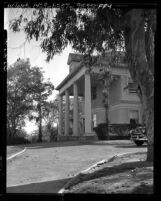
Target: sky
57	69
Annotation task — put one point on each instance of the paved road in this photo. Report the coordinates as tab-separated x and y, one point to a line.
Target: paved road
45	168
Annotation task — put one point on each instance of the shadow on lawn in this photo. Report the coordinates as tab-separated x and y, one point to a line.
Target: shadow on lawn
43	187
107	171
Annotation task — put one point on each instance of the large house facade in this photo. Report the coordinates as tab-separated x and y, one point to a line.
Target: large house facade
80	84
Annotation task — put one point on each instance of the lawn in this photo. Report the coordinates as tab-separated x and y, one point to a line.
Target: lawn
13	150
129	174
46	167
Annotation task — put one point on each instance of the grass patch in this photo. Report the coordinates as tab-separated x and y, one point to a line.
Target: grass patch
128	177
13	150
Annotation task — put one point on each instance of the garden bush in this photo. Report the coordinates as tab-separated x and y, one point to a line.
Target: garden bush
116	131
16	140
102	131
119	129
53	135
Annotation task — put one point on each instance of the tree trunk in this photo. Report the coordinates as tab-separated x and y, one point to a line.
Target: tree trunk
13	129
141	69
40	131
106	104
40	124
149	121
9	133
107	122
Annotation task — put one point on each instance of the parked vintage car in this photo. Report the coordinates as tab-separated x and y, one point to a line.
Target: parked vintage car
138	135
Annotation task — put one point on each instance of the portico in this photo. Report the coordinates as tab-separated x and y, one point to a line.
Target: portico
76	84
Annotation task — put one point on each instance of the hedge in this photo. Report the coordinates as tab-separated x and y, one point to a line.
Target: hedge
101	131
16	140
116	131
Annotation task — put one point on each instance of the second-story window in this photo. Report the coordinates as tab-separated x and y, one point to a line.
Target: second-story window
93	93
132	87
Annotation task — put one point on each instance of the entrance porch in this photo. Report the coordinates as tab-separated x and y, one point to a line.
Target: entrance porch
77	86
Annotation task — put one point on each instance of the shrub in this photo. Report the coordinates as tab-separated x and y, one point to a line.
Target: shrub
102	131
116	131
16	140
34	138
53	135
119	129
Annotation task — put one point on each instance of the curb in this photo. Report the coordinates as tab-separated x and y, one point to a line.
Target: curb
14	155
62	190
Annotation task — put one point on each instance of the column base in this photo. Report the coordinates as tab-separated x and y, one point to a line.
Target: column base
68	138
89	137
89	134
84	138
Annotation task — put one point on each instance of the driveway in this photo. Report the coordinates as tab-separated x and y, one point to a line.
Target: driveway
46	167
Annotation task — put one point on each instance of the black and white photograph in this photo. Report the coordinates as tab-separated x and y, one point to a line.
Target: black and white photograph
80	98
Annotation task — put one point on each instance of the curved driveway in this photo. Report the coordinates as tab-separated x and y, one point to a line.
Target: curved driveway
45	168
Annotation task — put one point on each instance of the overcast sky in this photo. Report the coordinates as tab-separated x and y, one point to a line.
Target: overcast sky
56	70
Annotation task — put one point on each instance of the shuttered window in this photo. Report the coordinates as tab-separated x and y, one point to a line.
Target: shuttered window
132	87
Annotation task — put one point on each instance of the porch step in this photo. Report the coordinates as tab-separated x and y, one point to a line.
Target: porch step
88	138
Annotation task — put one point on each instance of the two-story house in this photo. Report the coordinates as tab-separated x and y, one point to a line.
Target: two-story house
124	104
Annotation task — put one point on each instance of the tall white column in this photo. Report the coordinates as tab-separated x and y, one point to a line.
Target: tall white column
75	112
60	115
66	112
87	104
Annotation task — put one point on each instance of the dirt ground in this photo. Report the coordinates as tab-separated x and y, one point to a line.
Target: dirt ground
47	167
129	174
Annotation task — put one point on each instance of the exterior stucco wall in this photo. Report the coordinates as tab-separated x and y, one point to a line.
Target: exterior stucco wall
115	92
121	103
118	114
121	113
125	95
100	114
114	116
99	97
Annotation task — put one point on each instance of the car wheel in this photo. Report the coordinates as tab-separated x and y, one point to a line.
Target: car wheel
139	143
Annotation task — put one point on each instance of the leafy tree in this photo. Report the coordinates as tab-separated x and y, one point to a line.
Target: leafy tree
41	91
26	92
51	115
99	28
19	95
105	77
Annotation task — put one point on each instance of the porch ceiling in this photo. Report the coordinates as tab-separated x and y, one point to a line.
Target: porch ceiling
80	84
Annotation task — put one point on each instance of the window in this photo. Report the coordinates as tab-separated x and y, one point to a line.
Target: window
134	115
132	87
94	93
